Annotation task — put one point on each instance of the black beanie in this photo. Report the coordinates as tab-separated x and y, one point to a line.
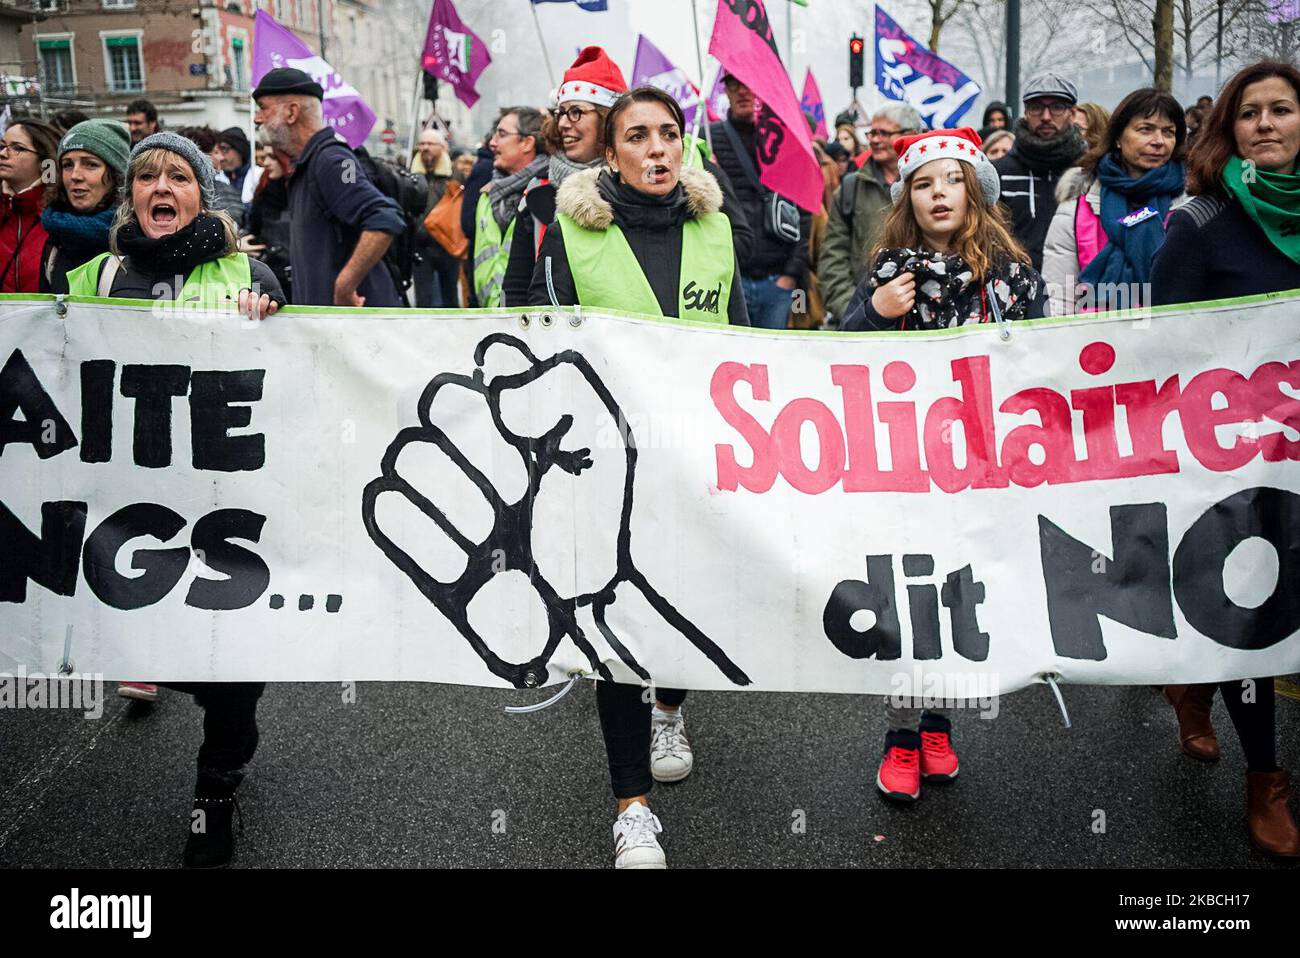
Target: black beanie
236	140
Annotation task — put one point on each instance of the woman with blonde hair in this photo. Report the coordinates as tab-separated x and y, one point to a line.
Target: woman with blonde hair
168	243
1092	120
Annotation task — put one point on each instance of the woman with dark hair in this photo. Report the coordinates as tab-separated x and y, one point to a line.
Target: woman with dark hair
27	181
92	163
643	234
1111	209
1239	235
574	137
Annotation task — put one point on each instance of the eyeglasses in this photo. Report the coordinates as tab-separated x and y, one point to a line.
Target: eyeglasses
500	134
1054	107
16	148
574	114
874	134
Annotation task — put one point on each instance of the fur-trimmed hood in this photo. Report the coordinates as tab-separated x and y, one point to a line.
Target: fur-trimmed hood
580	199
1074	182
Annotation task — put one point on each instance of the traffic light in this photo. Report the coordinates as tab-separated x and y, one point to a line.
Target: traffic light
855	61
430	87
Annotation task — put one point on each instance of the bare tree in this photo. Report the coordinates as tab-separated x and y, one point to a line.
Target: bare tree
941	11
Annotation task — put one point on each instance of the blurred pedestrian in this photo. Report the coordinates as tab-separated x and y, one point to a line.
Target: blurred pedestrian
27	183
999	144
1047	144
141	119
778	263
518	157
859	206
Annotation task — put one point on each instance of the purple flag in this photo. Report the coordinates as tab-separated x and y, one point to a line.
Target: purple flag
657	70
453	53
717	102
275	46
811	103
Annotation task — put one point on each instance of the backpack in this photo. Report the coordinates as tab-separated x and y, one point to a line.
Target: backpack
409	192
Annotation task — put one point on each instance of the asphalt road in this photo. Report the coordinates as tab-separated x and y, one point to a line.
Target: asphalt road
417	775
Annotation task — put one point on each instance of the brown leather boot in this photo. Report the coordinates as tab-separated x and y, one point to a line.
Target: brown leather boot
1192	706
1272	829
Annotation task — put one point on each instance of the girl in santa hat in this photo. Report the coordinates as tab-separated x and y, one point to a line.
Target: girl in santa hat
947	258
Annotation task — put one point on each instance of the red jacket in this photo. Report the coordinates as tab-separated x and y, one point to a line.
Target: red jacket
22	239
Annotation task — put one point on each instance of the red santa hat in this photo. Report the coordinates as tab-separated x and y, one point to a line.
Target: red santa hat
919	149
593	78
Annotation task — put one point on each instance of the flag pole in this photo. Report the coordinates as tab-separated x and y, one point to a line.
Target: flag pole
703	108
546	57
415	116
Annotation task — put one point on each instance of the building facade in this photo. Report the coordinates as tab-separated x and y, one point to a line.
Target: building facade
191	58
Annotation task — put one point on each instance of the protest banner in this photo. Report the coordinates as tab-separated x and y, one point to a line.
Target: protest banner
508	497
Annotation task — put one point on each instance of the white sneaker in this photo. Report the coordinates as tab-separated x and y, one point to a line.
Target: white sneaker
671	759
635	845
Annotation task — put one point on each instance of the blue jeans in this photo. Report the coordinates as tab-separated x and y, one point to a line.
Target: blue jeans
768	304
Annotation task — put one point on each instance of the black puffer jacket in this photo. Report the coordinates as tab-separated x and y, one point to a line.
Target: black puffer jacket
657	248
769	256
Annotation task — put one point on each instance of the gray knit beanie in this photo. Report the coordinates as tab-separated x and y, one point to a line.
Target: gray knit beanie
107	139
190	152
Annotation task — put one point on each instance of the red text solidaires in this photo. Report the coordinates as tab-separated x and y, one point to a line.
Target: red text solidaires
1029	454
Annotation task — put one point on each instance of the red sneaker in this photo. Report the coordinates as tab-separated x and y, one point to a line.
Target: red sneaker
899	778
938	760
137	690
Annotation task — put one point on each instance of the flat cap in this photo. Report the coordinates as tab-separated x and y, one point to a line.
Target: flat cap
286	80
1050	84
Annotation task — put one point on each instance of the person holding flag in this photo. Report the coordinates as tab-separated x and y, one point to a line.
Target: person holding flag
778	263
645	234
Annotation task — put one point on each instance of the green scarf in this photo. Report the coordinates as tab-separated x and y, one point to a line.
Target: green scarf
1272	200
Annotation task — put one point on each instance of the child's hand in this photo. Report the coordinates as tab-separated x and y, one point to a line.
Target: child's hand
896	297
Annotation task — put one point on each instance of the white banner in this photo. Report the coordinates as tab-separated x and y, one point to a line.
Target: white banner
506	498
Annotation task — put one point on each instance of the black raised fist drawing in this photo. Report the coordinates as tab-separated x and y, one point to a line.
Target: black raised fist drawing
467	541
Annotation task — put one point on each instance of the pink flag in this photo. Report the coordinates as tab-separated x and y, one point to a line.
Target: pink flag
812	107
742	41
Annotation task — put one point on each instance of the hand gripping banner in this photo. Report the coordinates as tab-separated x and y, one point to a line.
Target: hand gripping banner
507	498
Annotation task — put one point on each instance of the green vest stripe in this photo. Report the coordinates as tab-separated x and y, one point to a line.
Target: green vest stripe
215	283
606	272
491	253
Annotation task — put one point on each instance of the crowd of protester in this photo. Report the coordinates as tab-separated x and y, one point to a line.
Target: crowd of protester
606	199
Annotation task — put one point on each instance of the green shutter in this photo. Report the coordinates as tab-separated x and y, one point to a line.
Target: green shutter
55	44
120	41
237	43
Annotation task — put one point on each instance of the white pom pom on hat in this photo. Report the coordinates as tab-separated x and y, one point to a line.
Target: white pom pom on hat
962	144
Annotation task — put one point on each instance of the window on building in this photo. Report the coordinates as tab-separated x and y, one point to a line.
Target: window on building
237	64
123	55
118	4
56	64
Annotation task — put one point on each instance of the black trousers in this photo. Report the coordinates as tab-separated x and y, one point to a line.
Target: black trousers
625	723
1255	722
229	727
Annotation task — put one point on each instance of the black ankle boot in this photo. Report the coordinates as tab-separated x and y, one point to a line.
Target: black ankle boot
211	842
